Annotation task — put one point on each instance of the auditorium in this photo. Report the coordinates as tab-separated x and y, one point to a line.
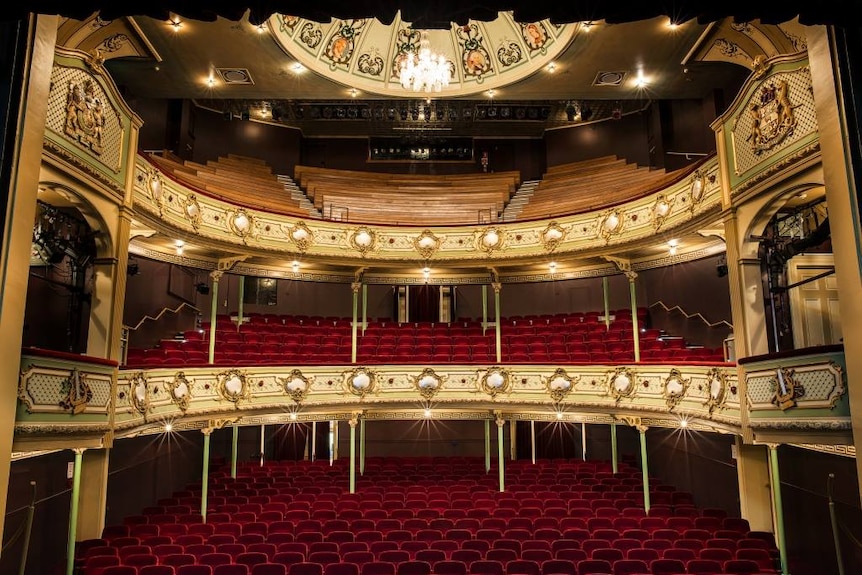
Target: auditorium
447	288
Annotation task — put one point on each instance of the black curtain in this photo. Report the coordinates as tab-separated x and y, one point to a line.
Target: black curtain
290	440
424	303
554	440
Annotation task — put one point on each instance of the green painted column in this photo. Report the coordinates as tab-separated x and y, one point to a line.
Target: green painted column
353	421
353	327
635	329
233	451
239	304
533	440
644	468
497	286
484	308
313	440
779	507
487	445
500	460
583	440
364	308
606	297
362	447
216	276
205	474
73	513
614	454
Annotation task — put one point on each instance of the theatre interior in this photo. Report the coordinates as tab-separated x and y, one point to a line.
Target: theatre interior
445	289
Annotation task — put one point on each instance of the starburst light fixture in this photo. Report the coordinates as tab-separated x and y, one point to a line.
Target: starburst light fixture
424	71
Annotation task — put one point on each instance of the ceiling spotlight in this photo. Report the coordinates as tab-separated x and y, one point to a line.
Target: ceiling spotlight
295	266
297	68
260	28
427	413
293	416
640	80
353	92
491	93
169	427
683	422
180	246
552	266
176	23
587	26
552	67
559	415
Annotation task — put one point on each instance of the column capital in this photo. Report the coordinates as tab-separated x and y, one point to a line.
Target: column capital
356	286
497	287
624	266
635	422
79	450
216	275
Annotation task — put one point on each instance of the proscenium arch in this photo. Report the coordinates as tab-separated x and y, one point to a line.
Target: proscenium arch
60	194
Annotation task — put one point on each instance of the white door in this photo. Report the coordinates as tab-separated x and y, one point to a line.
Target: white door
814	304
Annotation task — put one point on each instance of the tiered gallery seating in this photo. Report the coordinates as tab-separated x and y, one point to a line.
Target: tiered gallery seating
268	339
424	516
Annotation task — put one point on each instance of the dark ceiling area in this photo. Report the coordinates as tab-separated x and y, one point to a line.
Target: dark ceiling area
441	13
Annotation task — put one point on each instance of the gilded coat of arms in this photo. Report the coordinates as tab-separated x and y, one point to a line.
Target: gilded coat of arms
85	115
772	117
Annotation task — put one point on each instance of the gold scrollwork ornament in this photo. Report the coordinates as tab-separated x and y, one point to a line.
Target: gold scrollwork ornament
363	240
697	189
427	383
233	386
552	236
674	388
155	188
787	389
301	236
716	381
490	240
241	223
296	385
192	211
361	381
76	393
426	244
494	381
560	384
610	224
660	210
139	393
180	390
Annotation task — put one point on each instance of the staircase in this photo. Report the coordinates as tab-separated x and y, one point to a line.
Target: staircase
299	196
519	200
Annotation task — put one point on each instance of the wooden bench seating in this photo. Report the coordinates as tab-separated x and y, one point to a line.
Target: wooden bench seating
244	181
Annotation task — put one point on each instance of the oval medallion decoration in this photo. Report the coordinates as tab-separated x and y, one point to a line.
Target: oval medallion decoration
426	244
490	240
716	388
675	388
180	390
300	235
361	381
139	393
660	211
495	381
697	189
363	240
621	383
610	224
552	236
192	211
559	384
232	385
296	385
241	223
427	383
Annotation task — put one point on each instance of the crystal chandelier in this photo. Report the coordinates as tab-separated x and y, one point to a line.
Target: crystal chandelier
424	71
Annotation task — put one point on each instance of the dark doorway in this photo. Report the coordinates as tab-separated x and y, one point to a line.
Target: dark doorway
424	303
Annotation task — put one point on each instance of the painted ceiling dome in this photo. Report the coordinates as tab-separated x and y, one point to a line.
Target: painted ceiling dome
366	54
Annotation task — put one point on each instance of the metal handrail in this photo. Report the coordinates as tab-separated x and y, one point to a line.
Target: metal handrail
163	311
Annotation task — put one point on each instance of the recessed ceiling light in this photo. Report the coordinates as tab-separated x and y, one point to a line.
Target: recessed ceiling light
297	68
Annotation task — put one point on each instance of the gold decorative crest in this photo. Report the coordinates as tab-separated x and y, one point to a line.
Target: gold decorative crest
232	386
552	235
494	381
85	115
697	189
192	211
660	210
560	384
427	383
180	390
772	117
426	244
787	389
301	236
610	224
296	385
621	383
76	393
155	189
674	388
361	381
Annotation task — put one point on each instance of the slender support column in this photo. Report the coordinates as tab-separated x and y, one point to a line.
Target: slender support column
353	327
513	440
484	308
775	481
362	447
644	468
93	498
614	454
406	303
240	302
606	298
533	440
500	461
364	308
28	530
262	443
583	441
313	440
331	441
353	421
487	445
233	451
216	276
205	474
73	513
635	329
497	286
